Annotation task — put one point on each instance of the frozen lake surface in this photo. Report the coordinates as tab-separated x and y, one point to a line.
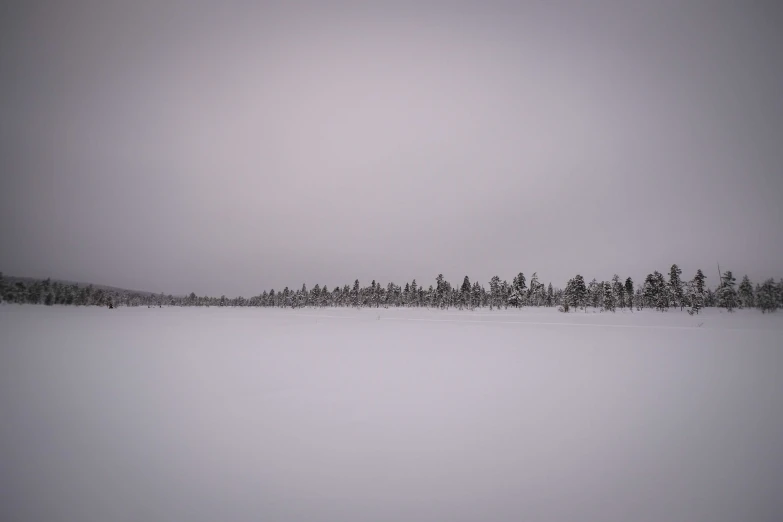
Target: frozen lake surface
184	414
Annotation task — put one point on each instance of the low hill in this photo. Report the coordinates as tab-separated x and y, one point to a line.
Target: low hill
30	280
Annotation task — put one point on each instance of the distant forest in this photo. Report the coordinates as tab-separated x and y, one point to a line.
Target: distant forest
657	291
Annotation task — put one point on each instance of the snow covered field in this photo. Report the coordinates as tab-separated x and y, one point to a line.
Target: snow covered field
184	414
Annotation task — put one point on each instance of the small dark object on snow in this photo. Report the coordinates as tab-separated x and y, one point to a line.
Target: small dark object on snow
111	305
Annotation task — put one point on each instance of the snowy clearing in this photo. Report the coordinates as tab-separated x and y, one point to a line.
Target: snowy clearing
351	415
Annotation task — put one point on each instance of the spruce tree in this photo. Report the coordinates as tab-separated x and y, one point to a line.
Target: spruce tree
494	292
375	300
568	296
355	294
579	293
656	292
594	293
521	286
514	299
518	291
440	291
550	297
609	299
675	284
746	293
766	297
619	291
709	298
726	294
650	291
475	296
34	292
557	297
697	295
464	298
541	295
695	301
505	290
664	294
699	281
532	293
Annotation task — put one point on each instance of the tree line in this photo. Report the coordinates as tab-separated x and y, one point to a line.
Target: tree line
657	291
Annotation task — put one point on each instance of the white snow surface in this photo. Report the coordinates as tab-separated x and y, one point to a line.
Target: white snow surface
239	414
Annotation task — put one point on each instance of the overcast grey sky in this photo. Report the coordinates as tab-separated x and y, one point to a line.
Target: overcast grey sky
218	148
